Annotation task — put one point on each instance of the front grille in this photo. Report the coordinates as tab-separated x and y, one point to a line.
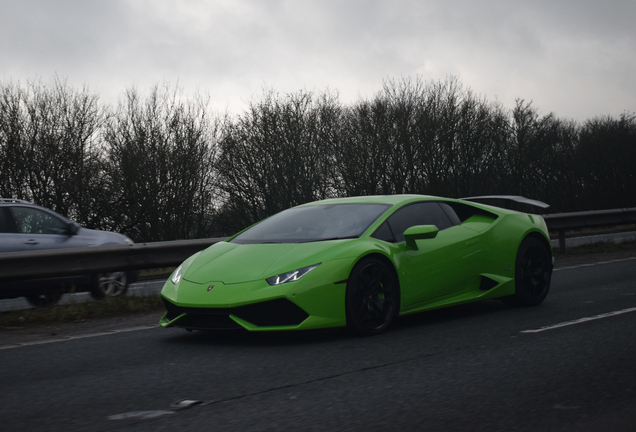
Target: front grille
208	322
279	312
201	318
271	313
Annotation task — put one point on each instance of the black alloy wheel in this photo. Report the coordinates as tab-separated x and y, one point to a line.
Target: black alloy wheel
533	273
372	299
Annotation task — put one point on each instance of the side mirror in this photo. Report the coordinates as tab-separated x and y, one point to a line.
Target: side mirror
73	228
419	232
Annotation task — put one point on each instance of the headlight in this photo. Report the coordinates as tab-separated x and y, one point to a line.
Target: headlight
290	276
176	276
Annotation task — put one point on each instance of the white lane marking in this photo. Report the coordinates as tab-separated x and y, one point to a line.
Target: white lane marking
177	406
83	336
140	415
580	320
595	264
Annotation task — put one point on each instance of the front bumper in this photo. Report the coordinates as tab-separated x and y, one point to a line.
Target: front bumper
314	301
277	313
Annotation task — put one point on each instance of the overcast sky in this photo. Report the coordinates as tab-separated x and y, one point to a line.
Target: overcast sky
576	58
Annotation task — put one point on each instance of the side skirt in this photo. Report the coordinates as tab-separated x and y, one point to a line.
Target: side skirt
504	287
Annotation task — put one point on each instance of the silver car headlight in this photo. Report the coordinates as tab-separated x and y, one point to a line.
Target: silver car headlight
176	276
290	276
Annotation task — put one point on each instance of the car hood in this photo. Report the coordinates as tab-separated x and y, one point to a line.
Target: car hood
235	263
101	238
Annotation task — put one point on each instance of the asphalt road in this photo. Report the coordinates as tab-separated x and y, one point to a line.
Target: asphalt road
468	368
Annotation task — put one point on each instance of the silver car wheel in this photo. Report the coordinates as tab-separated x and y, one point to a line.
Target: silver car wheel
111	284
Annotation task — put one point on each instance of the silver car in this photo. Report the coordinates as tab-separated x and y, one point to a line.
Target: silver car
27	227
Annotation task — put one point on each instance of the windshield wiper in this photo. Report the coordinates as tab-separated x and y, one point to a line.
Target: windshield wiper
330	238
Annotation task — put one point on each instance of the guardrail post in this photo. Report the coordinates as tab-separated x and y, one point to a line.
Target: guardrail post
562	241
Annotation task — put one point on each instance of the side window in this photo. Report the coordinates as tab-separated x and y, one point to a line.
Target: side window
33	221
427	213
5	222
384	233
450	213
466	211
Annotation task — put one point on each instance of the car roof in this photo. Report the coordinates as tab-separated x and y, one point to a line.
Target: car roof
14	201
379	199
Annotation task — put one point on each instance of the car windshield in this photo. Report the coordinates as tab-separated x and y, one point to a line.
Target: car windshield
314	223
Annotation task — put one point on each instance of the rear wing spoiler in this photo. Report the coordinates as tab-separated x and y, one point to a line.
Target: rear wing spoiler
506	200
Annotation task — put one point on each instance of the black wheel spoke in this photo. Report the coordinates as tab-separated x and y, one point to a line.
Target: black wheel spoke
534	269
372	302
378	305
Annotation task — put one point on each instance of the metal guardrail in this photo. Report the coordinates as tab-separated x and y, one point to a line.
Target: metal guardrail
68	262
89	260
562	222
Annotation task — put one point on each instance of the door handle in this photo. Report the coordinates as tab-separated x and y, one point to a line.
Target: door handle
31	242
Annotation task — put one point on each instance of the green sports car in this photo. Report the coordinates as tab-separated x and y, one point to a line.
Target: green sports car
359	262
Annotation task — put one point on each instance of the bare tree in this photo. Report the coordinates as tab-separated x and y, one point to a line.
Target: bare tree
161	158
416	137
606	162
162	167
13	163
50	149
277	155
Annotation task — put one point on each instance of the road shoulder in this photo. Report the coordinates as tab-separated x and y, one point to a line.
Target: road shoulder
17	335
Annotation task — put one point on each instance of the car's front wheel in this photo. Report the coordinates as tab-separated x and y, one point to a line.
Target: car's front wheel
109	285
372	298
533	273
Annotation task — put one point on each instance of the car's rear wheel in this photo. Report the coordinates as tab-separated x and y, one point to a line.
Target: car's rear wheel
45	299
109	285
533	272
372	298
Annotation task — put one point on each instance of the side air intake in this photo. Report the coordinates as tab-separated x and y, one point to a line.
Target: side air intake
487	284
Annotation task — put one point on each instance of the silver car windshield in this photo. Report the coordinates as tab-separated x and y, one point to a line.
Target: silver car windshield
314	223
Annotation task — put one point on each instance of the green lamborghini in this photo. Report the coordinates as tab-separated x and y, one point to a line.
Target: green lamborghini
360	262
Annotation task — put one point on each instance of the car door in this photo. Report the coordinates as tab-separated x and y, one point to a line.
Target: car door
9	241
35	229
440	266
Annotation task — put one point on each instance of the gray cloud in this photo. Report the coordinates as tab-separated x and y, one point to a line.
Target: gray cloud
576	58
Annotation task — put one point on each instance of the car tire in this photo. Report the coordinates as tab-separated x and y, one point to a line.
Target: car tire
109	285
45	299
533	273
372	297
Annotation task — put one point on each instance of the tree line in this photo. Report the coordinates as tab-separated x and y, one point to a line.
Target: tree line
161	166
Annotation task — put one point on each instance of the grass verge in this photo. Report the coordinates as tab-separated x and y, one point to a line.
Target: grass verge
78	312
155	273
